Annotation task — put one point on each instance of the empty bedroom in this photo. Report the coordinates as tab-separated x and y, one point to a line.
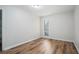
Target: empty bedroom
39	29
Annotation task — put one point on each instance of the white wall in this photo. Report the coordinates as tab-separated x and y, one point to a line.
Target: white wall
61	26
76	14
19	26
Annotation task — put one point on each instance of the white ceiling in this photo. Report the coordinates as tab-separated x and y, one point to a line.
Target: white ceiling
49	9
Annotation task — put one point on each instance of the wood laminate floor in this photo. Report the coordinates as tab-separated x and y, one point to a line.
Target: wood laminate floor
44	46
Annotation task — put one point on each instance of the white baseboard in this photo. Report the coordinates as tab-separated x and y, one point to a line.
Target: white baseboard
63	40
77	48
76	45
19	44
56	38
29	41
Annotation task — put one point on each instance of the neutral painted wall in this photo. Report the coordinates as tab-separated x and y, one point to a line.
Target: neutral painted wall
76	14
61	26
19	26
